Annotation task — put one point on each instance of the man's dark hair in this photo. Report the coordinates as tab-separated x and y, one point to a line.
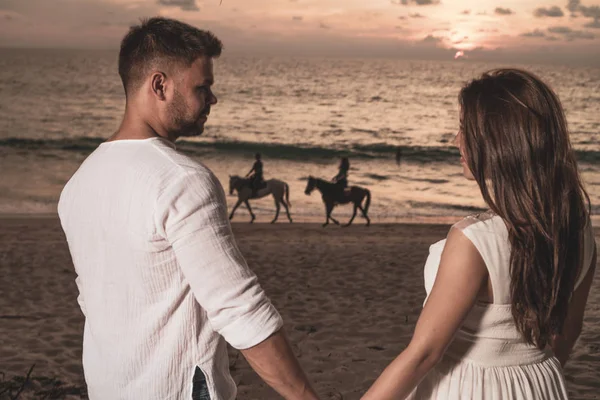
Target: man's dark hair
162	40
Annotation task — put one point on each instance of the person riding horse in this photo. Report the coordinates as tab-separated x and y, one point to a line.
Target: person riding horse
341	179
257	179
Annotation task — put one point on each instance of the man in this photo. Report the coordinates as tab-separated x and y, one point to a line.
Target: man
341	179
161	281
256	174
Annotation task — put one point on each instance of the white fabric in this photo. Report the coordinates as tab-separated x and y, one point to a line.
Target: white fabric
488	359
589	245
161	280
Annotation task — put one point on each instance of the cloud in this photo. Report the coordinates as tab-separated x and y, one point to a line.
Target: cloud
534	33
68	23
459	41
590	12
595	24
118	24
549	12
573	5
563	30
416	2
571	34
297	18
80	27
324	26
416	15
503	11
185	5
580	35
430	39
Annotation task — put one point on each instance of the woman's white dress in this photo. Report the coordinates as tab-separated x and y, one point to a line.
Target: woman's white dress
488	359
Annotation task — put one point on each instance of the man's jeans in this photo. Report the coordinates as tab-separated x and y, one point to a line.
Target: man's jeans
200	388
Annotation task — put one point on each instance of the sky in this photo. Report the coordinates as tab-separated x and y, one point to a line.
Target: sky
556	31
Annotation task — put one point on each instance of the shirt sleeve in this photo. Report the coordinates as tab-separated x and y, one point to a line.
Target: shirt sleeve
80	296
192	215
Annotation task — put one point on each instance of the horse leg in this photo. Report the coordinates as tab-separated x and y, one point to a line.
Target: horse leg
329	210
365	215
250	210
353	215
287	210
276	211
235	208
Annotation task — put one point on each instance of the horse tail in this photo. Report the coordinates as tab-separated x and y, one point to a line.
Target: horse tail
287	195
368	202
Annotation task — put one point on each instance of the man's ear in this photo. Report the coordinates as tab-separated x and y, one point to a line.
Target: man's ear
158	85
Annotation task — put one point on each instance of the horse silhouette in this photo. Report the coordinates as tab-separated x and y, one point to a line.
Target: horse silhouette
332	196
279	189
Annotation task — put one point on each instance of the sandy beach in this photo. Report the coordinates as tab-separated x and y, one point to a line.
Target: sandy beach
349	297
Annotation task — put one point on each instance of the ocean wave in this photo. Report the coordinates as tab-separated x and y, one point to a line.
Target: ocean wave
83	144
456	207
420	154
415	154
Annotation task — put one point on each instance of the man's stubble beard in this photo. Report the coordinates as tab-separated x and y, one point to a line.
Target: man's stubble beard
181	126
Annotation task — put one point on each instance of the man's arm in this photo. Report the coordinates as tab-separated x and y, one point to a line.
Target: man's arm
252	170
192	216
274	361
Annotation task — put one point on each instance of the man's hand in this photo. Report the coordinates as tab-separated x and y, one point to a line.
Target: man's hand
274	361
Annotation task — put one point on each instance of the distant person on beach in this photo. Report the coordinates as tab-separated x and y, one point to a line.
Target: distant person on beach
398	155
256	173
341	179
507	289
162	284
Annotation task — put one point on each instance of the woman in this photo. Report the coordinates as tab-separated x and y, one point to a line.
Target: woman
256	173
507	289
341	179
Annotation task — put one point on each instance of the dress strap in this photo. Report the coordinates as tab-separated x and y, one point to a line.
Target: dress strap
489	235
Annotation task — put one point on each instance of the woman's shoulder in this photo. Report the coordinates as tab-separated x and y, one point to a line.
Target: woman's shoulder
485	227
485	222
487	231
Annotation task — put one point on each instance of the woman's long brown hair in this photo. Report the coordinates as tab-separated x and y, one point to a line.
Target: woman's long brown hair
517	146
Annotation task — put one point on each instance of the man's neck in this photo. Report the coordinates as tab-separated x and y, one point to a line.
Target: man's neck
135	127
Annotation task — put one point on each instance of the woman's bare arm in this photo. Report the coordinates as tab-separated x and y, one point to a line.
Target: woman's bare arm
461	275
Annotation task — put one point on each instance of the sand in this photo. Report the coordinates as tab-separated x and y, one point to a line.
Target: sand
349	297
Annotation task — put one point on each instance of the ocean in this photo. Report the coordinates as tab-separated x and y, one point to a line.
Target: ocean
301	114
